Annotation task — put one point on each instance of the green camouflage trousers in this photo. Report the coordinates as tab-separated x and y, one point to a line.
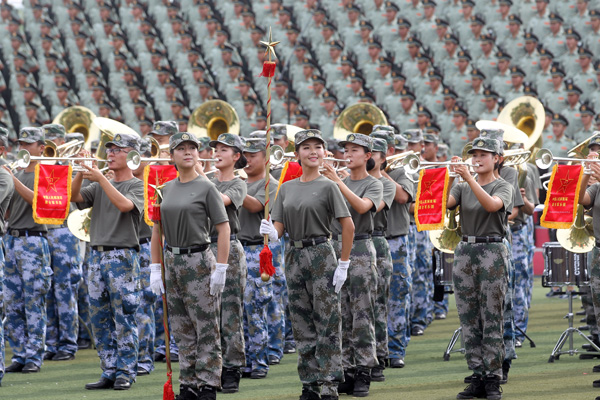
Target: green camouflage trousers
480	284
595	281
194	317
316	316
384	277
232	307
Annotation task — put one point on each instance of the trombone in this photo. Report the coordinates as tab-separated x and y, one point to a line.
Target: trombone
412	163
24	158
544	159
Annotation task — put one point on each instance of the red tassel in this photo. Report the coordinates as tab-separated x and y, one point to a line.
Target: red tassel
268	69
168	388
266	261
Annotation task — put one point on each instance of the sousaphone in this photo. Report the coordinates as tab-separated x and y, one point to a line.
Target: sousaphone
213	118
527	114
77	119
358	118
105	129
579	238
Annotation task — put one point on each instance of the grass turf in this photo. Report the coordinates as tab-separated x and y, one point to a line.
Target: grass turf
426	375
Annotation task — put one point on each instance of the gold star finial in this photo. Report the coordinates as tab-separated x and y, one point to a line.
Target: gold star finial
270	45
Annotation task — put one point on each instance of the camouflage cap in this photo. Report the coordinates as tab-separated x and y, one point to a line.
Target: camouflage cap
254	145
229	139
54	131
594	140
485	144
442	150
358	139
164	128
125	140
380	145
181	137
278	131
400	142
145	147
69	137
388	136
306	134
495	134
413	135
430	138
31	135
203	143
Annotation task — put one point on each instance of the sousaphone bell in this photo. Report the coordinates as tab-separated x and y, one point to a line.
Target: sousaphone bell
213	118
358	118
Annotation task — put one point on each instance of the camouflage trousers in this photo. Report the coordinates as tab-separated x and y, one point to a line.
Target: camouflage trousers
521	289
61	300
2	354
316	317
358	307
595	281
422	282
289	333
232	307
588	304
276	309
194	317
144	316
115	290
83	296
530	253
441	307
257	296
27	277
399	300
509	334
384	277
480	281
159	338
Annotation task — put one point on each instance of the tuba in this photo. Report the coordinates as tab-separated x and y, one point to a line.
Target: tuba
77	119
446	240
358	118
213	118
527	114
579	238
105	129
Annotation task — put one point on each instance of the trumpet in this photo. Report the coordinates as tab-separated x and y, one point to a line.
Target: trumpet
134	159
412	163
68	149
395	161
336	163
544	159
24	158
518	157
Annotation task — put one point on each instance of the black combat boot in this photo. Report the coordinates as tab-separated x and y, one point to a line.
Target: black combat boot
492	387
347	387
208	393
475	390
505	369
187	393
377	372
230	380
362	382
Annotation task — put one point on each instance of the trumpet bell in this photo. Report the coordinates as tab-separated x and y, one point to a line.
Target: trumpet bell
213	118
411	163
544	158
23	159
78	223
134	160
277	155
50	149
358	118
77	119
578	238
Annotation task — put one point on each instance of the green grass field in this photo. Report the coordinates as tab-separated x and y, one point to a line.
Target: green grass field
426	376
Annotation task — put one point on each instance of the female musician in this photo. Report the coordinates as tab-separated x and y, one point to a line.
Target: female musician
194	282
228	152
363	194
305	208
479	274
383	258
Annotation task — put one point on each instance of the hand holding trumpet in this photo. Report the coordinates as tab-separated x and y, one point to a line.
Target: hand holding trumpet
461	169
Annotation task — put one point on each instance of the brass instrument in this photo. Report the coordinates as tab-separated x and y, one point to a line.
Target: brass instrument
511	133
105	130
155	147
64	150
412	163
446	239
582	150
213	118
358	118
24	158
77	119
239	173
544	159
579	238
516	157
290	132
527	115
134	159
336	163
78	223
395	161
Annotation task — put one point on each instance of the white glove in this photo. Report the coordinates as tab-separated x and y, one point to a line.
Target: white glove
340	275
267	228
156	283
217	279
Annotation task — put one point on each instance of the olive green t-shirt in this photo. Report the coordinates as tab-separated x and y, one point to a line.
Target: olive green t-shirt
250	222
235	189
594	192
145	229
531	196
389	192
510	175
399	215
534	173
185	210
7	188
307	209
474	219
21	212
109	226
370	188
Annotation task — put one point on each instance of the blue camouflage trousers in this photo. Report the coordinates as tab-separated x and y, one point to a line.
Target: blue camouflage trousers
257	296
61	300
399	300
276	308
384	276
316	316
520	262
2	354
232	307
480	279
422	282
509	334
27	276
83	296
530	253
144	316
441	307
115	290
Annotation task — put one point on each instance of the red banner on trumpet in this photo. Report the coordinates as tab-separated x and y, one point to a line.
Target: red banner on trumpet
560	207
154	177
430	204
51	193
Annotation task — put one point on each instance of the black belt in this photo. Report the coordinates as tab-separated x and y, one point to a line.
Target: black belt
300	244
516	227
362	236
111	248
377	233
213	239
597	243
145	240
394	237
251	242
481	239
25	232
187	250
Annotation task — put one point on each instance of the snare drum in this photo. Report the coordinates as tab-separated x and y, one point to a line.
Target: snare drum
443	268
562	267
